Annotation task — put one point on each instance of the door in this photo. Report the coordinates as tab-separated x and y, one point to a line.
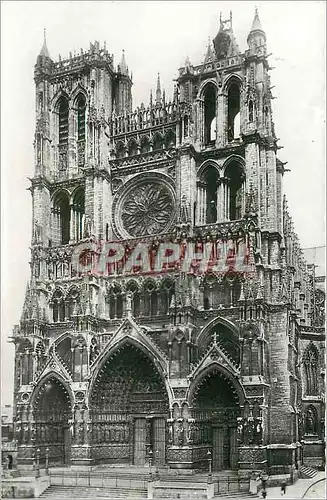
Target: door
159	441
217	448
139	441
67	445
233	448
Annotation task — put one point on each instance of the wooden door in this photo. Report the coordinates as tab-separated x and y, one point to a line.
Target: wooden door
139	442
67	446
233	448
159	441
217	448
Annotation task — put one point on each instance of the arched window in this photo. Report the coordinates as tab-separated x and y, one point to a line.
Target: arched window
150	299
78	214
61	219
115	303
233	112
235	190
120	150
145	145
58	306
250	111
63	121
132	148
209	112
186	122
210	178
81	107
157	142
166	293
310	361
170	139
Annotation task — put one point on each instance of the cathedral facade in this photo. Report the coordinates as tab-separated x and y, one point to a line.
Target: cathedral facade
221	359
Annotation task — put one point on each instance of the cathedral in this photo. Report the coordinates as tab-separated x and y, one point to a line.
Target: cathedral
220	359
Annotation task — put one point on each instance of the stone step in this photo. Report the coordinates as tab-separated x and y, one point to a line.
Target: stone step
66	492
307	472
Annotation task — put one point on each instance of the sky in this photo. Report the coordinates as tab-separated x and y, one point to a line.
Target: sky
156	36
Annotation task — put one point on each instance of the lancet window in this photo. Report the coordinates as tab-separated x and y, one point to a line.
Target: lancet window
233	119
210	114
61	219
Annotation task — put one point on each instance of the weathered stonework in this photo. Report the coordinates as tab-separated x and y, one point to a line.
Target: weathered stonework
226	366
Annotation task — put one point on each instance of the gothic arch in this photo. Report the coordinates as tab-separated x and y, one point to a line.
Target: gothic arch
233	159
212	367
207	329
203	86
56	99
148	350
205	165
77	91
43	380
230	79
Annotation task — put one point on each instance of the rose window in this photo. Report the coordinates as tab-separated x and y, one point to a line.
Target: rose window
147	209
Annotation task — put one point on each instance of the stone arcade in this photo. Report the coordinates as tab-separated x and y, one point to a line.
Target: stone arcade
112	369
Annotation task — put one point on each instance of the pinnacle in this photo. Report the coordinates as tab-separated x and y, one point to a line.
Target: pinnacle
44	51
256	24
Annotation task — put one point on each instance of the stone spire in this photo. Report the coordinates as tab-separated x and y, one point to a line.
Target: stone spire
256	32
123	66
158	91
256	25
44	51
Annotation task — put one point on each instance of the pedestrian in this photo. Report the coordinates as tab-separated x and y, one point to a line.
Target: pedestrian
283	488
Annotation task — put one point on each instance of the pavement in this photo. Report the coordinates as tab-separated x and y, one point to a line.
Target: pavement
313	488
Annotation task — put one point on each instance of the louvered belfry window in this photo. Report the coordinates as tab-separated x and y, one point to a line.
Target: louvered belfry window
63	122
81	119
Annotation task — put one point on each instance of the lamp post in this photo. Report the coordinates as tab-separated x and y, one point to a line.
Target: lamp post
209	466
37	465
157	464
150	463
47	461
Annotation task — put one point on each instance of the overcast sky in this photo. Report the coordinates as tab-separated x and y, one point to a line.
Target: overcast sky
156	37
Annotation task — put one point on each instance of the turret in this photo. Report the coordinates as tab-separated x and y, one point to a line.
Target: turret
123	93
257	37
44	62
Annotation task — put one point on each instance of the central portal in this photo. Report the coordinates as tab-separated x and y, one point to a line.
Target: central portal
129	406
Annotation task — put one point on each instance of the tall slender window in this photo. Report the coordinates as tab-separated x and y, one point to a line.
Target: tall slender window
209	113
251	111
233	112
81	106
234	173
78	214
211	181
61	218
63	121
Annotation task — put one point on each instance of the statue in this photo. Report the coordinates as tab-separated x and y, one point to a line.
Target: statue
310	422
129	299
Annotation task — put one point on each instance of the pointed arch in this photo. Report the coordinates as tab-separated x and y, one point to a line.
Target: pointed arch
207	329
144	347
53	374
214	366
